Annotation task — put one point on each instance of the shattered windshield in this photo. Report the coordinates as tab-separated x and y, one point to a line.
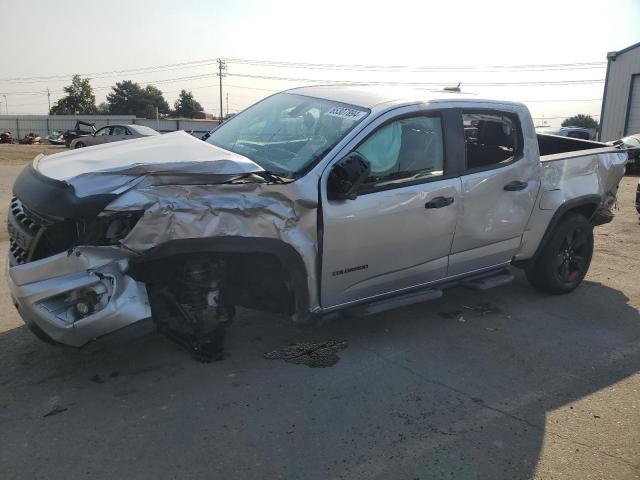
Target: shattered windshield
287	133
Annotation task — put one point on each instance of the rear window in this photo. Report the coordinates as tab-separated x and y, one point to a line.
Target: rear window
490	138
146	131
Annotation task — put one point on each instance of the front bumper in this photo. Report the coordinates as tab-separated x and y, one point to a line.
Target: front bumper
43	292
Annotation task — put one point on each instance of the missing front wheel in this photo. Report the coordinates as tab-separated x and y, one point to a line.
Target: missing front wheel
188	303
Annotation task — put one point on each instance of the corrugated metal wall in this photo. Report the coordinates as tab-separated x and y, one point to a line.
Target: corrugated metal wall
633	116
617	95
42	125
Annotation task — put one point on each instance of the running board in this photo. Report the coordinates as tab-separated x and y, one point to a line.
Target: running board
488	280
395	302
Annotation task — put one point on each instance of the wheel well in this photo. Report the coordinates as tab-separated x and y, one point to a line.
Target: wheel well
262	273
585	206
586	210
252	280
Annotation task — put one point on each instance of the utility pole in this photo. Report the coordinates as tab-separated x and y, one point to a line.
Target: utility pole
49	101
227	103
6	105
222	66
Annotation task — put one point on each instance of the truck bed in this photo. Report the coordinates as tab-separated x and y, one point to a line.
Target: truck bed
575	165
553	145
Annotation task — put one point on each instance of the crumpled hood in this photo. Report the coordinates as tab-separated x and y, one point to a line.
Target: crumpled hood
171	153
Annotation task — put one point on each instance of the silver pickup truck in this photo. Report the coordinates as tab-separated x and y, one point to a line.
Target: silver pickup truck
312	201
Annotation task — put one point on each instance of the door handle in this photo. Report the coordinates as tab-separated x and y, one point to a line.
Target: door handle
515	186
439	202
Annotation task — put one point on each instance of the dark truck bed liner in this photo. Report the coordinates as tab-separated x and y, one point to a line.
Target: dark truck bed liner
554	144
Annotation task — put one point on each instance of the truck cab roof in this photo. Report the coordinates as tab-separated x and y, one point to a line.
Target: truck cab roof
378	98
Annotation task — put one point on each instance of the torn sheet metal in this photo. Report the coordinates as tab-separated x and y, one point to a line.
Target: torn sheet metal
286	212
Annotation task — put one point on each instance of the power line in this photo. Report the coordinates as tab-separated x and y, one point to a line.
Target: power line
171	66
152	82
416	84
418	68
305	65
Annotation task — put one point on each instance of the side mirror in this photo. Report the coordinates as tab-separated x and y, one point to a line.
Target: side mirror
346	176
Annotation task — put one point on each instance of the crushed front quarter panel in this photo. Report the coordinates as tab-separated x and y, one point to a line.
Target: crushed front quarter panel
286	212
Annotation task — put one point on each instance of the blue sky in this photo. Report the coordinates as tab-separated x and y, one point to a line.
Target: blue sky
44	38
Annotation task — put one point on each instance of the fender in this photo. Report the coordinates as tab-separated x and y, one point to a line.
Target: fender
584	201
288	256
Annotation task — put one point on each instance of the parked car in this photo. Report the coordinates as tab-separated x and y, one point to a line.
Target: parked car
113	133
632	144
571	132
7	137
313	201
77	132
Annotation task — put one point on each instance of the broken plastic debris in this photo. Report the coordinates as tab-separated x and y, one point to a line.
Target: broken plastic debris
55	411
97	379
314	355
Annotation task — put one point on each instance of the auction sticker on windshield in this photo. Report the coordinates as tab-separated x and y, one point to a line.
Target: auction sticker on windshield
345	112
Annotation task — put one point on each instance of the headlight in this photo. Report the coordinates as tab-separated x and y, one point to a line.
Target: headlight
82	302
108	228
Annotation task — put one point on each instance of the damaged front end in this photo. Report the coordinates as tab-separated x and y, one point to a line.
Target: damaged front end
74	297
93	251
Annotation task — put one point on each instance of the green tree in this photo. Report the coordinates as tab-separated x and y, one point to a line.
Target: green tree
186	106
125	98
581	120
103	108
155	99
79	98
129	98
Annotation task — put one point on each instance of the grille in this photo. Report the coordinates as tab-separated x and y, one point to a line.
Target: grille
33	236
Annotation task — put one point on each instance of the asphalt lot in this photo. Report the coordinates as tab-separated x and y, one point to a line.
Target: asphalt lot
528	386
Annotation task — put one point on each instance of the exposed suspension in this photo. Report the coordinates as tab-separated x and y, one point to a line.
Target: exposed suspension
189	306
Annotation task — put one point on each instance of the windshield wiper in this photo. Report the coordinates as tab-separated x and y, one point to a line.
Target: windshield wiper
269	176
275	177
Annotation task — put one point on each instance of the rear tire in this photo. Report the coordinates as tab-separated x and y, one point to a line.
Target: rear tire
564	260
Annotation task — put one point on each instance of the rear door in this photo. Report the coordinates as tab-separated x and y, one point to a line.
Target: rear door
499	188
397	233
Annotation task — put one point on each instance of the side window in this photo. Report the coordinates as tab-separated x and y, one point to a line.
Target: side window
404	150
103	131
117	130
490	138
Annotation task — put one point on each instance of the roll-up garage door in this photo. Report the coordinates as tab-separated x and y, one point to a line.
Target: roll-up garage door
633	115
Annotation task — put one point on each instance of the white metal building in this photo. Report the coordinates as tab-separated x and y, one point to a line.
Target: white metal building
620	114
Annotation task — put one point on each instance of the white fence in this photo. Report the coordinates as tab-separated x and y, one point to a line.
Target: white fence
42	125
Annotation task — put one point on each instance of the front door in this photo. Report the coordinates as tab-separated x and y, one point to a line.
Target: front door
499	189
101	136
397	233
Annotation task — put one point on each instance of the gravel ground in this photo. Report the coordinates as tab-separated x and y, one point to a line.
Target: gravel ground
527	386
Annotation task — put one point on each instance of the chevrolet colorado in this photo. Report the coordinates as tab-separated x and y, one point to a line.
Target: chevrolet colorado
312	201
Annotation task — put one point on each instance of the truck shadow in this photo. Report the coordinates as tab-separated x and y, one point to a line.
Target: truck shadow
468	386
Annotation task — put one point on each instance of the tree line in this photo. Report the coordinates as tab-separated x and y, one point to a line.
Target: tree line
126	98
